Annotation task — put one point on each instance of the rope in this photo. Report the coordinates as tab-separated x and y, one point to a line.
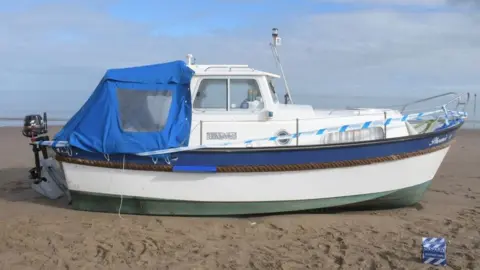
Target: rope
121	195
256	168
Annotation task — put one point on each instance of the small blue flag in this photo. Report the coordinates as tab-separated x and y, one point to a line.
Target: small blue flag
434	251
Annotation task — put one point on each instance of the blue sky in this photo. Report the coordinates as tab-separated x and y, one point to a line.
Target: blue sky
58	50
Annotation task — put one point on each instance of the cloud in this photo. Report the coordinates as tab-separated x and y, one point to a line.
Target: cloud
396	2
465	3
468	4
63	49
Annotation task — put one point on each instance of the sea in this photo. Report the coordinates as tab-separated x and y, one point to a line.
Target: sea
60	109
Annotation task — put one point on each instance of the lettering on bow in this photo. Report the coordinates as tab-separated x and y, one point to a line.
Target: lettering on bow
439	140
221	135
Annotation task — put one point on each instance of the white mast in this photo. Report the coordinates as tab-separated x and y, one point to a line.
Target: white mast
277	41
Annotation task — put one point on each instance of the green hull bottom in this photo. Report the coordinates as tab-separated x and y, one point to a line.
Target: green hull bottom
142	206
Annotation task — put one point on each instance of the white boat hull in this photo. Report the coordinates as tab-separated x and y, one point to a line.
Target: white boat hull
274	187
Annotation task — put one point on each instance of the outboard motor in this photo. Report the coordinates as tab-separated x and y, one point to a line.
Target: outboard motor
46	178
35	127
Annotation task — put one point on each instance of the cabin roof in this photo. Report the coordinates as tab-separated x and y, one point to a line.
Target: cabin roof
229	70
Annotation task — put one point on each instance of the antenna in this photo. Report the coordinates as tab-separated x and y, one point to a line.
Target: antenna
277	41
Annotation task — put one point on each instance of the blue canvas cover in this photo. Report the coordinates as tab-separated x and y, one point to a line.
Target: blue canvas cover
133	110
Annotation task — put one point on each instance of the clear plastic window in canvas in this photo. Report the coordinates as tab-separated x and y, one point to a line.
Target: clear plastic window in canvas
143	111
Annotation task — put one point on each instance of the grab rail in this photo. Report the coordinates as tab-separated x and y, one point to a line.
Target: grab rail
458	97
229	67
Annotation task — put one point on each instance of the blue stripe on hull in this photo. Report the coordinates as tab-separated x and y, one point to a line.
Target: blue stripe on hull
194	168
207	160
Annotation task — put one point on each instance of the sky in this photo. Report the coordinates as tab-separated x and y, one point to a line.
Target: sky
56	51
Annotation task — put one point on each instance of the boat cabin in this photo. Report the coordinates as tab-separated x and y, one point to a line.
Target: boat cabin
237	103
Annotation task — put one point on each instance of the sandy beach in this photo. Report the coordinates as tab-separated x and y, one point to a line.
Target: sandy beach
36	233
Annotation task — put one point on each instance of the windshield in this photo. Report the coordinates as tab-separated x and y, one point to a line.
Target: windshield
272	91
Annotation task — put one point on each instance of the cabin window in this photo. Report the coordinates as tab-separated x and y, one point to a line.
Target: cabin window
215	94
245	94
143	111
374	133
211	94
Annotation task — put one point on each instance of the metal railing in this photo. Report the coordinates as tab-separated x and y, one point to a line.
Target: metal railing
457	97
402	108
229	67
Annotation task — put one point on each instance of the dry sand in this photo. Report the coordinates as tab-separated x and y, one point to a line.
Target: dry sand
40	234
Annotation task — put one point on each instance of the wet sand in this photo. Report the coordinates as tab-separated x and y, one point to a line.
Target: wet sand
36	233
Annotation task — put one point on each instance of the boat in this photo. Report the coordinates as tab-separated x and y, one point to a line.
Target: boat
181	138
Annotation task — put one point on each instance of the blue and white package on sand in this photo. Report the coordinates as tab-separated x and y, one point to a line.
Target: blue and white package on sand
434	251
